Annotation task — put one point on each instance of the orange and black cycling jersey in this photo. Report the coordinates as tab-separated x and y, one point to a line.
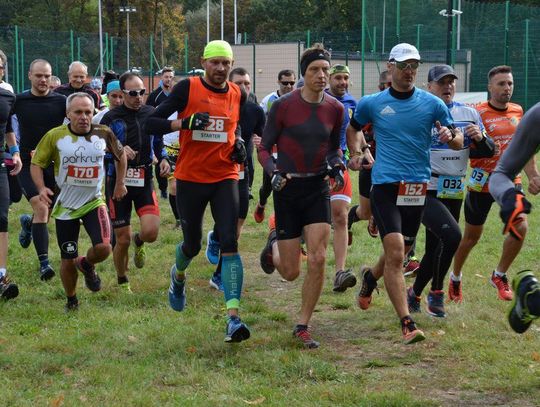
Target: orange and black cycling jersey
205	155
500	125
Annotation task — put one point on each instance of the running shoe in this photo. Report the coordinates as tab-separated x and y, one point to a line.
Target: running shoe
343	280
504	291
212	248
267	263
413	301
363	297
177	292
411	266
435	304
259	213
411	334
524	284
305	338
164	194
236	330
139	254
215	282
71	306
46	272
351	217
91	279
372	228
25	235
454	291
8	290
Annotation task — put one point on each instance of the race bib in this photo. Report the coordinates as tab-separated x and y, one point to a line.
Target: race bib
450	187
215	131
411	194
241	173
134	177
82	176
478	179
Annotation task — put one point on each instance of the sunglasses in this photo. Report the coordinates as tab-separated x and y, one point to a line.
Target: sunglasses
404	65
134	93
288	83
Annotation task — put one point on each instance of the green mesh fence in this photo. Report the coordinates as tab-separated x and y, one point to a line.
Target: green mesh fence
488	34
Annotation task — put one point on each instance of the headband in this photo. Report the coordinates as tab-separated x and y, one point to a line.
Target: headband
309	58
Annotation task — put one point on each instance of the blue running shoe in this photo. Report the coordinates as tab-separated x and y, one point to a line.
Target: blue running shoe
212	249
46	272
215	282
25	235
177	292
237	331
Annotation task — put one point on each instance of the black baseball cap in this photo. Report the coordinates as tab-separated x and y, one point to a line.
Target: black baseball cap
438	72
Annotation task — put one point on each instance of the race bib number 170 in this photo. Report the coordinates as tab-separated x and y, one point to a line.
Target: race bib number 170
82	176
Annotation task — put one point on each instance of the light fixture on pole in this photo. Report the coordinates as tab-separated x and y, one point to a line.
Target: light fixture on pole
449	13
128	10
100	40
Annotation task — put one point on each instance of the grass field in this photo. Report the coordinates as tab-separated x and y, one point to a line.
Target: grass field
133	350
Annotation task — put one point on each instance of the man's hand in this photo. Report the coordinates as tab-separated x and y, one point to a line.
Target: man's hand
445	135
164	167
534	185
256	140
44	195
17	164
513	205
197	121
239	153
473	131
278	181
336	175
119	192
130	153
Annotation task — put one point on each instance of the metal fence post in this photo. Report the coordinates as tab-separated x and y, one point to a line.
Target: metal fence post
527	64
151	72
17	71
22	64
186	53
364	43
72	46
398	22
254	72
78	48
308	38
506	16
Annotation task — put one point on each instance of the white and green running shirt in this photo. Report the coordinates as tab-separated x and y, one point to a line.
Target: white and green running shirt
78	167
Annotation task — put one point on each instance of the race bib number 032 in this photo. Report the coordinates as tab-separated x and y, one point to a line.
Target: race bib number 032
450	187
411	194
215	131
82	176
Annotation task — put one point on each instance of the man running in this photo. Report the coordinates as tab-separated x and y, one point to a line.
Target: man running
519	155
77	151
8	289
286	80
38	110
402	118
340	199
445	193
305	125
207	173
127	123
501	117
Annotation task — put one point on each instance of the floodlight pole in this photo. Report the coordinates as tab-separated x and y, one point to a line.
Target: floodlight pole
127	10
449	34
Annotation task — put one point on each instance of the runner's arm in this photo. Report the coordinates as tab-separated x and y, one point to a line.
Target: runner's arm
158	123
333	157
270	135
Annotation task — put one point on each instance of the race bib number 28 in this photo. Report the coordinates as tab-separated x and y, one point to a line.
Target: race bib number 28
411	194
215	131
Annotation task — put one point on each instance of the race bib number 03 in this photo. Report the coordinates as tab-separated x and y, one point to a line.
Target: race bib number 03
134	177
215	131
450	187
478	179
82	176
411	194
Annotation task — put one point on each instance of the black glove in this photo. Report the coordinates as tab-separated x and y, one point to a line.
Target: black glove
197	121
278	181
513	204
239	153
336	173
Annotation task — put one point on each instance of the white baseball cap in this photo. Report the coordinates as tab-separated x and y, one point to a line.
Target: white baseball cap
403	52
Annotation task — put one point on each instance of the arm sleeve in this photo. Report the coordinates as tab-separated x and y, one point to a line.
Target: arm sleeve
333	157
158	123
443	114
361	115
524	145
114	146
269	138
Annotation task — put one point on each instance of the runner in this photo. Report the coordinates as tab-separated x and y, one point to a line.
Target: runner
305	125
207	172
445	192
340	199
77	74
32	127
501	118
8	289
127	123
402	118
519	154
115	98
77	151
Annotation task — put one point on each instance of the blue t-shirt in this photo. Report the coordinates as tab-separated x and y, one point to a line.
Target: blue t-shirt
402	128
350	106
